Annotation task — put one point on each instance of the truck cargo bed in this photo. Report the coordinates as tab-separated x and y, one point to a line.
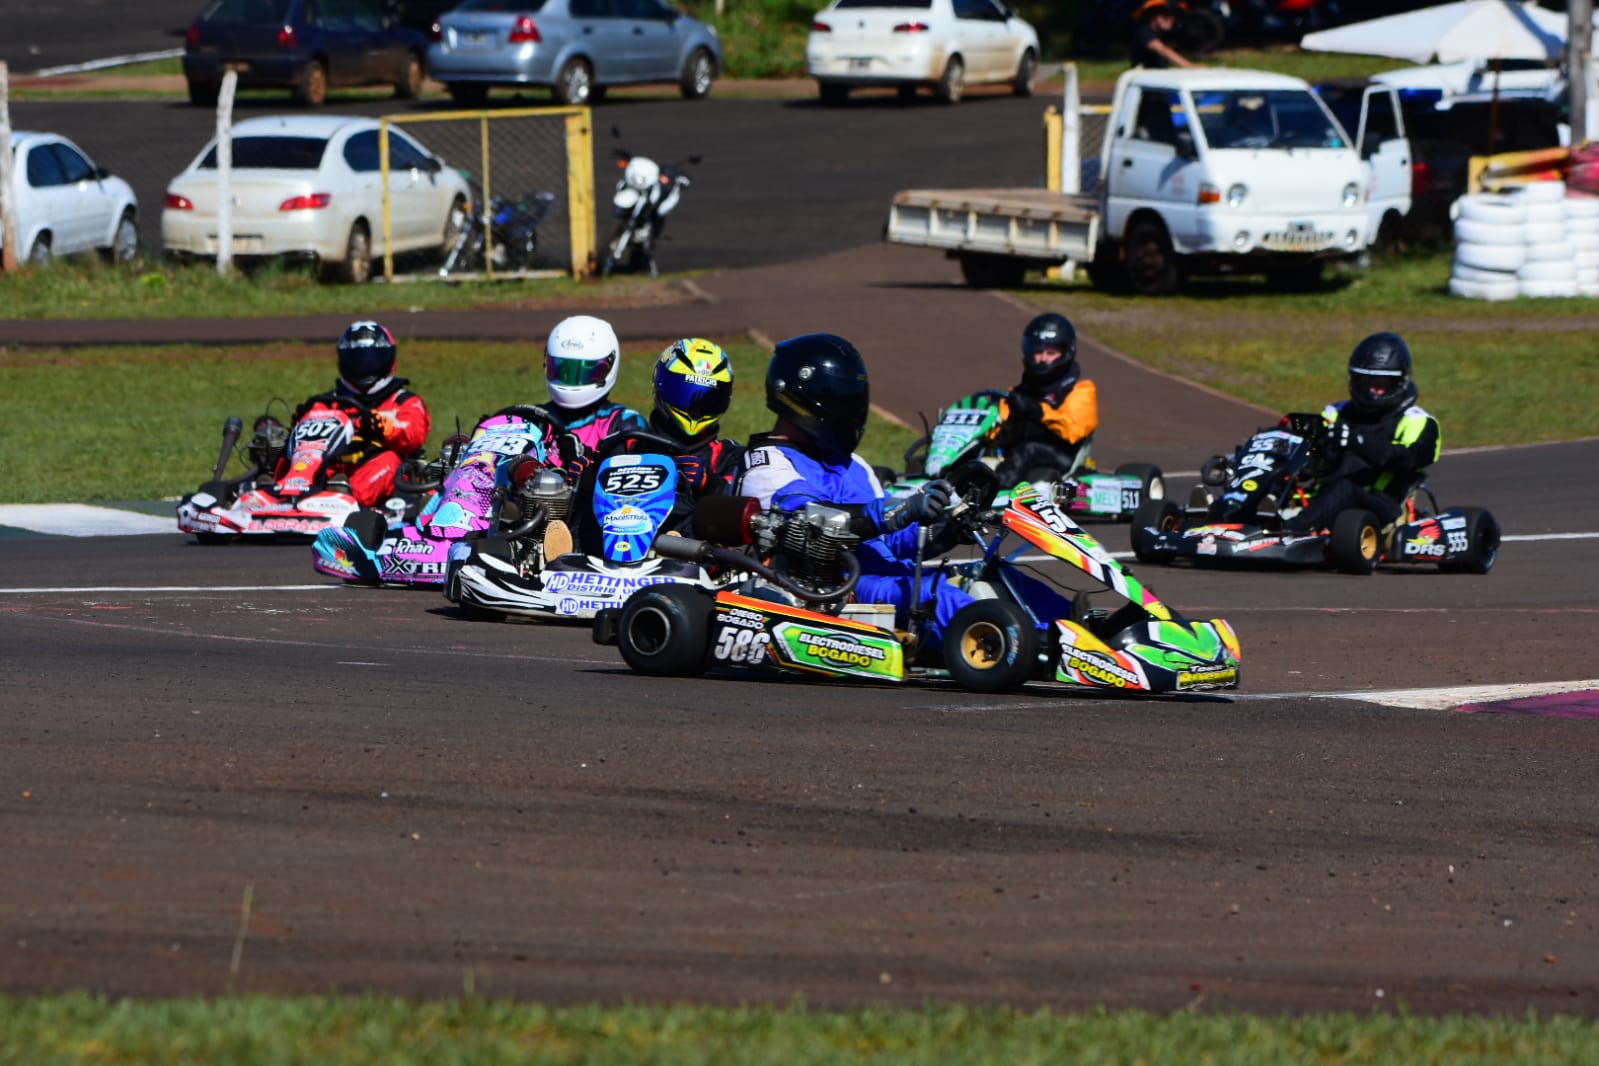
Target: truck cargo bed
1034	223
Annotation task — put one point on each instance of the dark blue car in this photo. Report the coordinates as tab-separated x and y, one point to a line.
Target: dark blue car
305	46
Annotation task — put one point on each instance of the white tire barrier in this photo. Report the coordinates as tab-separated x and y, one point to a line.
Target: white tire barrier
1500	210
1579	208
1560	249
1547	212
1462	272
1539	192
1473	232
1547	270
1544	232
1547	289
1485	290
1508	257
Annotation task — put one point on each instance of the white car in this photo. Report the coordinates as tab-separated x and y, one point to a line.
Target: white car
310	187
944	44
65	204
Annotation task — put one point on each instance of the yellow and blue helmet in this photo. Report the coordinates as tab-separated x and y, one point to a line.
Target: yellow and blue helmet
693	387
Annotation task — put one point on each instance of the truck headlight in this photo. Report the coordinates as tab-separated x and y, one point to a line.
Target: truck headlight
1241	239
1351	194
1237	194
1351	239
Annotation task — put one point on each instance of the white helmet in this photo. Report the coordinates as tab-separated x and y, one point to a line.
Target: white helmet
581	361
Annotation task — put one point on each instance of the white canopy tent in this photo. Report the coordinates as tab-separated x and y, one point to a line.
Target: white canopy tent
1465	29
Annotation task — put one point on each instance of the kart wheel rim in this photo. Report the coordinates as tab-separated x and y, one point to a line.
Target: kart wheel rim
982	645
649	630
1368	543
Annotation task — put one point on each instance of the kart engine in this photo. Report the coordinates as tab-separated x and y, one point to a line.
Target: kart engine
807	545
268	444
549	490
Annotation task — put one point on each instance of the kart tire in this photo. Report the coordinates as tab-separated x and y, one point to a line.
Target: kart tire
1151	482
1163	515
1482	544
1355	543
991	646
369	527
664	631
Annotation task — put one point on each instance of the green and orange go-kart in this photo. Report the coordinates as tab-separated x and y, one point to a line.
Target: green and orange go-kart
791	613
1237	516
969	430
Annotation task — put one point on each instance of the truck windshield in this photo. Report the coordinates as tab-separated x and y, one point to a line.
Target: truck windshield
1265	118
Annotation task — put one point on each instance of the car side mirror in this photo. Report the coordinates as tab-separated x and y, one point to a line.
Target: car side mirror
434	164
101	173
1186	148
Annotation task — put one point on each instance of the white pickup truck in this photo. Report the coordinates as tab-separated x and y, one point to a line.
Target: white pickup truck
1201	170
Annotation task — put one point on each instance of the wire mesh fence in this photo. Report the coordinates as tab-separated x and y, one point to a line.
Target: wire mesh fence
531	173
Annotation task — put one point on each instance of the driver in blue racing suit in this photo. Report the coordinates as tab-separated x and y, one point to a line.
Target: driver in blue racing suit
817	386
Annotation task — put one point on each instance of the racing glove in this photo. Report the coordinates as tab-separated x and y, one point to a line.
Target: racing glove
928	505
574	468
1025	406
691	469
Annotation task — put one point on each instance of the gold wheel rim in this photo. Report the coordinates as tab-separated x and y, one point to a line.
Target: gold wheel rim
981	644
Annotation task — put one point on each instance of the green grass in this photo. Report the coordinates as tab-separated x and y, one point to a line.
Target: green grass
74	1030
146	423
1493	373
86	288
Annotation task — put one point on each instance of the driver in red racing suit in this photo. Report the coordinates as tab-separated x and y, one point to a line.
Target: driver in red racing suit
400	420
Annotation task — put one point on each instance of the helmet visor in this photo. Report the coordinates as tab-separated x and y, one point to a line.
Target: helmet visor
364	366
561	370
1375	386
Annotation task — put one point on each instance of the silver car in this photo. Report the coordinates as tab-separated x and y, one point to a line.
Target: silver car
578	48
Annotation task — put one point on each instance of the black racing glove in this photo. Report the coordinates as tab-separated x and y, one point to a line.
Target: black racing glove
927	505
1024	406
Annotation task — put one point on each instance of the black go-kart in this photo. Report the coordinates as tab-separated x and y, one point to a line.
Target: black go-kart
1237	515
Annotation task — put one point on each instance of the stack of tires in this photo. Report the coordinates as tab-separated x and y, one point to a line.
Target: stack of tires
1533	240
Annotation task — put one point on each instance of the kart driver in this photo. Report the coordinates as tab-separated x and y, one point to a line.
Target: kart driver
1052	414
582	358
400	420
1380	441
693	389
817	386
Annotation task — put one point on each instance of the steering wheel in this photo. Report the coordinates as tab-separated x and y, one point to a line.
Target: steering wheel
975	483
620	442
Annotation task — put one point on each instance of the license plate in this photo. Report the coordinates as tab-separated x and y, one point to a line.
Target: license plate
479	38
1302	229
860	63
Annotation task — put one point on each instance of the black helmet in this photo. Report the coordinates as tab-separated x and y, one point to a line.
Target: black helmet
1379	374
817	382
1048	331
366	357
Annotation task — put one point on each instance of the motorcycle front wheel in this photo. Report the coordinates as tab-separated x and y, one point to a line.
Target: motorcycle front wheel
616	248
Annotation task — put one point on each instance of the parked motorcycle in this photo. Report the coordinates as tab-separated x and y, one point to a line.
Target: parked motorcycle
504	236
645	194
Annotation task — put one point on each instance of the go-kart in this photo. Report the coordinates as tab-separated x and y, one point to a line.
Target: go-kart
482	485
788	609
613	517
1237	515
312	494
965	432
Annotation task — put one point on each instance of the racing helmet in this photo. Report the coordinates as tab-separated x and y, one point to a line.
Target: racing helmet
366	357
1049	330
693	388
1379	374
581	360
817	382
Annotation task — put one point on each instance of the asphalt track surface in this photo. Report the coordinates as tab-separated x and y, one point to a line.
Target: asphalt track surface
416	803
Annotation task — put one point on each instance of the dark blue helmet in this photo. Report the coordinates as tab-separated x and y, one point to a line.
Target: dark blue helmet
817	382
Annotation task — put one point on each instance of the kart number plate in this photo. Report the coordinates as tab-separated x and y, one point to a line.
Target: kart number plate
1107	497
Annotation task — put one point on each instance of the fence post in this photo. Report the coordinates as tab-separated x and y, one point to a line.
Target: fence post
230	82
1071	155
580	191
8	216
388	211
